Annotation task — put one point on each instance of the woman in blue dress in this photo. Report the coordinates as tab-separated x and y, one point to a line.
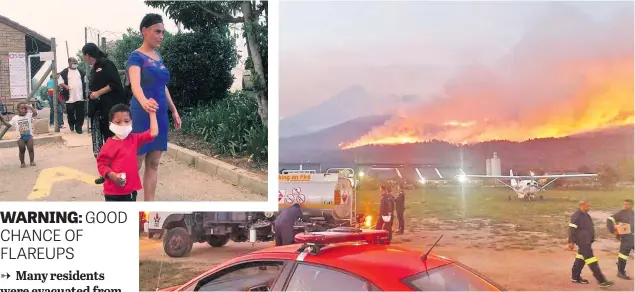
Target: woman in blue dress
148	79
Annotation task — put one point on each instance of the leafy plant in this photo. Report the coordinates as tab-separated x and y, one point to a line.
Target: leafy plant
231	125
204	16
200	64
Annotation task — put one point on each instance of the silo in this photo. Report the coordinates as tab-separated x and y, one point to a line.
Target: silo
495	164
488	166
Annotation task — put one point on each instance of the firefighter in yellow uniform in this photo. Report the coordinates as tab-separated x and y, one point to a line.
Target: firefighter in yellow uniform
625	215
582	234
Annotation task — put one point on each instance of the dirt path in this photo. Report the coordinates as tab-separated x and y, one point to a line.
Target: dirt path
202	253
176	182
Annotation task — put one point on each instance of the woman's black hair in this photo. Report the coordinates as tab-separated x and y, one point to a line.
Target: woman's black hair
149	20
93	51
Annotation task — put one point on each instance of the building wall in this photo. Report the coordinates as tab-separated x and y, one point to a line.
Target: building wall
11	41
496	166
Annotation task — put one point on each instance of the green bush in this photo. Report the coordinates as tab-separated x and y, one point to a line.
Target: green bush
232	125
200	65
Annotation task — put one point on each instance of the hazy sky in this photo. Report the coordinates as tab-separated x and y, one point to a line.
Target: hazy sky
65	20
398	47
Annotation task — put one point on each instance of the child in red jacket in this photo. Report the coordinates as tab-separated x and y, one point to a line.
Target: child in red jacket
117	159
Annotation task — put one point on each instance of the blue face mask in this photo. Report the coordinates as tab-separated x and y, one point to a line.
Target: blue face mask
74	66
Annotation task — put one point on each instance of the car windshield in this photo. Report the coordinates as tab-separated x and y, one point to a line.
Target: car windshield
451	277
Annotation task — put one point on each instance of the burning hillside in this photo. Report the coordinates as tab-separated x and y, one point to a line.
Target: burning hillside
568	75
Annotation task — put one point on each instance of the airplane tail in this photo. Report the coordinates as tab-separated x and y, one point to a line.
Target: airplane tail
514	183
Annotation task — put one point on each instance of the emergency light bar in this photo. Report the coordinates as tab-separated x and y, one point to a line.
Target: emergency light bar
292	171
342	235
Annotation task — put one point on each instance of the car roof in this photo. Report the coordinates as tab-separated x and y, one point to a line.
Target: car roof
375	262
362	259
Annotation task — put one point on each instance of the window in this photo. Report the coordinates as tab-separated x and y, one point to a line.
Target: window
318	278
252	276
451	277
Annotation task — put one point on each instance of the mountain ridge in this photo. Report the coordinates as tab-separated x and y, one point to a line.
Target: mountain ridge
349	104
570	152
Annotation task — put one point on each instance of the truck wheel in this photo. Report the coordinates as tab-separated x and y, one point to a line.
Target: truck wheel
217	240
177	242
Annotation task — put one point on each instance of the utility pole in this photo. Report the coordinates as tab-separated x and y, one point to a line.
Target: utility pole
67	54
55	93
103	43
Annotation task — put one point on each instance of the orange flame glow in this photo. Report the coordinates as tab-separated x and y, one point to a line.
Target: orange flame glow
563	99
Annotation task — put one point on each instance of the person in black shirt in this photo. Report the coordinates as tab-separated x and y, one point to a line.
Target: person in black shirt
400	207
582	234
386	209
127	89
106	89
105	84
625	215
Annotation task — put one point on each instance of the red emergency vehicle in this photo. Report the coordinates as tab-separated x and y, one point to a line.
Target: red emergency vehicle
341	259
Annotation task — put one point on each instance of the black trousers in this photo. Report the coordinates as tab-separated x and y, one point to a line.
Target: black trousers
585	257
284	235
76	114
132	197
381	225
400	220
104	127
98	139
626	246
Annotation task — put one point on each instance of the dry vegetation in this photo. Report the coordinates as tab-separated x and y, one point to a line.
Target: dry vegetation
484	218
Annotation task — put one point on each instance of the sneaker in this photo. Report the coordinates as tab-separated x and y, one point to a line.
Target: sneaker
622	275
72	128
605	284
79	131
100	180
580	281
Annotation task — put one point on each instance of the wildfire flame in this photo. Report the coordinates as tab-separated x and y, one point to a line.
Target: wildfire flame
555	96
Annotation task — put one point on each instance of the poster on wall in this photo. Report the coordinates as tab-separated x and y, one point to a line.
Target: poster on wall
17	75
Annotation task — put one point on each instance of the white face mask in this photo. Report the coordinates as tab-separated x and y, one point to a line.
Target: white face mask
74	66
120	131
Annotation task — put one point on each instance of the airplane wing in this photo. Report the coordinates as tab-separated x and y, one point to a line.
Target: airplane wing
520	177
564	175
490	176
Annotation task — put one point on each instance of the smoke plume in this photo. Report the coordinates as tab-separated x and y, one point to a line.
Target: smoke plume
568	74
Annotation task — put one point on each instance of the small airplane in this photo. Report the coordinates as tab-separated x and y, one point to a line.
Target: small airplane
525	186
